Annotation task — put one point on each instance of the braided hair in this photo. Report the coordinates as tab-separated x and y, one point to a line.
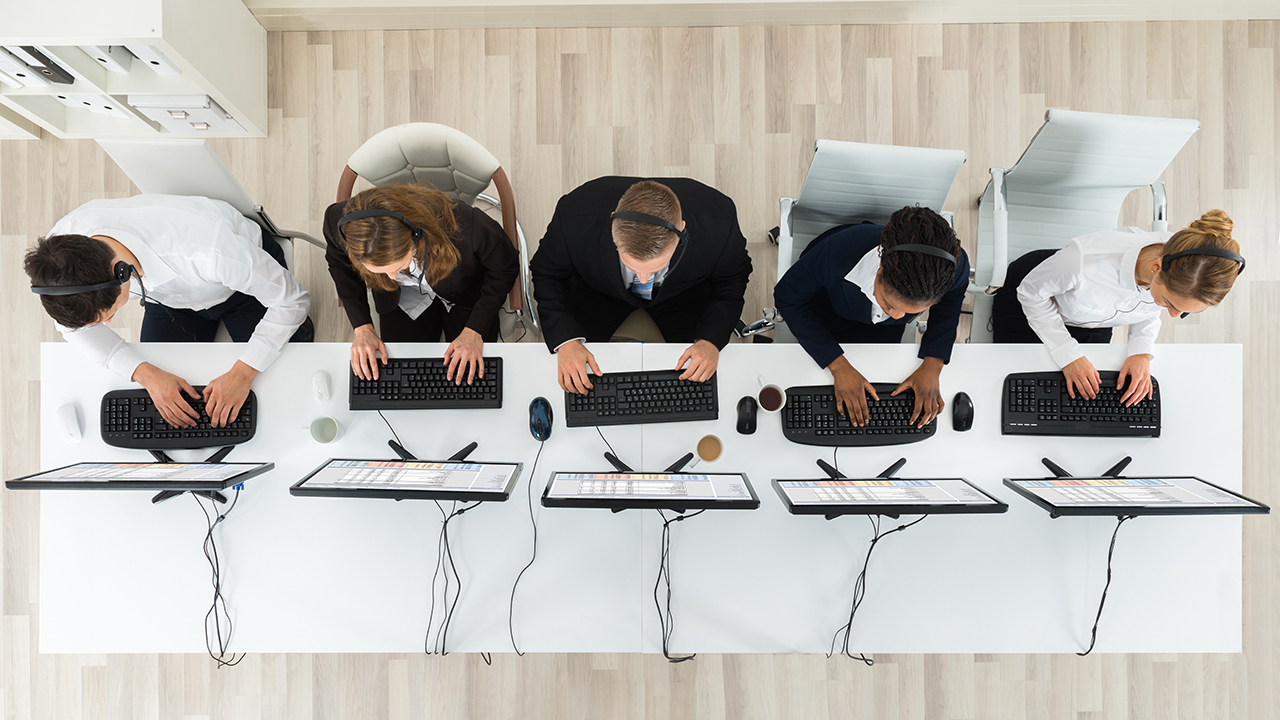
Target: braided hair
918	278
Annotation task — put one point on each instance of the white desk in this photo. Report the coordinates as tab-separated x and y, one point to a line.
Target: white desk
334	575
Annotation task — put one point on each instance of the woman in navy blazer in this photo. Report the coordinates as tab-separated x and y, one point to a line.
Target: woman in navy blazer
863	284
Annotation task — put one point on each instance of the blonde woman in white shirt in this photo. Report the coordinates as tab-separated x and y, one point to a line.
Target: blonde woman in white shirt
196	262
1112	278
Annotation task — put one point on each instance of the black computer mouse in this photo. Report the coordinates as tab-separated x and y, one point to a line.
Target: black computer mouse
540	418
747	415
961	412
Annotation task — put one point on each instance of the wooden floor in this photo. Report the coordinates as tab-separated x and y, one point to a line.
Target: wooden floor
739	108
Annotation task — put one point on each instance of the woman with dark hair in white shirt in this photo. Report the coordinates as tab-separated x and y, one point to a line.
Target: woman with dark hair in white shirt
1112	278
196	262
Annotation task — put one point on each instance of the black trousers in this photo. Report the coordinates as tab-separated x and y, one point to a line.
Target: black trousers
240	314
397	326
600	314
1009	320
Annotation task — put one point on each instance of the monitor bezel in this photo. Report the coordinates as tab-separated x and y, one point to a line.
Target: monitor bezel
299	490
251	470
1119	510
650	503
997	508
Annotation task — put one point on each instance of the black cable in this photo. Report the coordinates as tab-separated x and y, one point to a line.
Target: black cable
666	621
393	432
1093	636
511	609
606	442
835	458
446	552
218	608
860	590
426	643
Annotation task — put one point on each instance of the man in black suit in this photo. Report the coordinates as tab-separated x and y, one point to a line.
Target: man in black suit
671	246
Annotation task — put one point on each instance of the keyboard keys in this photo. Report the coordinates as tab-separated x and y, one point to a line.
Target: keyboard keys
130	420
810	418
642	397
423	384
1038	404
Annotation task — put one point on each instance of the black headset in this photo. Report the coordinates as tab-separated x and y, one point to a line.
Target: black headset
417	232
1211	252
924	249
122	271
682	236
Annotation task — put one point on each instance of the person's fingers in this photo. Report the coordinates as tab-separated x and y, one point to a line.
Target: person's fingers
471	377
871	390
453	366
591	360
917	408
235	412
1120	377
561	379
863	413
686	356
906	384
185	408
1071	387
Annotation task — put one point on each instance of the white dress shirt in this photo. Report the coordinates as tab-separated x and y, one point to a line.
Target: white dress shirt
413	301
864	276
194	253
1090	283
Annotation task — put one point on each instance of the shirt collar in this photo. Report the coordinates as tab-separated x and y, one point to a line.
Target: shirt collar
1128	268
864	276
629	276
155	271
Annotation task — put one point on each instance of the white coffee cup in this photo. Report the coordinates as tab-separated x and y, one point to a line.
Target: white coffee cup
767	393
325	430
708	449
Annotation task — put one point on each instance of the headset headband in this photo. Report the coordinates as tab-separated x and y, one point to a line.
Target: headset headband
122	271
1210	251
924	249
649	220
375	212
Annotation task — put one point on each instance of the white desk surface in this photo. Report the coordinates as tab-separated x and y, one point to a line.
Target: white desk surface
118	574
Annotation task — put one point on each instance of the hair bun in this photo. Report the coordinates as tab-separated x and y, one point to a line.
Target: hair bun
1214	222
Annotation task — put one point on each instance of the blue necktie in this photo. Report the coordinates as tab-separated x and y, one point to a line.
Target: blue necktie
644	290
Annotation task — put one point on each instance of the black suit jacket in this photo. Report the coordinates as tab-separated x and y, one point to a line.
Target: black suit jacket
579	243
487	268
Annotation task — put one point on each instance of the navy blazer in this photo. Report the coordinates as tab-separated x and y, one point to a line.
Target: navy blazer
579	244
821	269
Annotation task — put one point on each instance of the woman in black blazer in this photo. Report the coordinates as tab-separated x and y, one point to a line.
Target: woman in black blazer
435	266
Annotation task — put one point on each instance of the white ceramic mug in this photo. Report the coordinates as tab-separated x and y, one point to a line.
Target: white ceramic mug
708	449
767	390
324	430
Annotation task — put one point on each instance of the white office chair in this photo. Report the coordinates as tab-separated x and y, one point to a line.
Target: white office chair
190	167
850	182
462	168
1070	181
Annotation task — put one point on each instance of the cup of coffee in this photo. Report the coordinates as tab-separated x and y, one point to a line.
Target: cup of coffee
771	397
708	449
324	430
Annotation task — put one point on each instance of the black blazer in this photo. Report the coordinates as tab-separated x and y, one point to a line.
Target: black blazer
487	268
579	243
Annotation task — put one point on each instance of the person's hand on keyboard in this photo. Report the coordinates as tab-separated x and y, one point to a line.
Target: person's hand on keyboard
224	395
851	391
928	392
573	358
1082	376
466	352
166	390
364	353
1137	368
703	357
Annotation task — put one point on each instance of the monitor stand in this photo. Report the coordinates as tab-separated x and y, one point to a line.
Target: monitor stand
1058	472
835	474
456	457
214	495
622	467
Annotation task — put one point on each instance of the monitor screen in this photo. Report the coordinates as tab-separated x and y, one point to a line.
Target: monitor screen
169	476
883	495
649	490
441	480
1142	495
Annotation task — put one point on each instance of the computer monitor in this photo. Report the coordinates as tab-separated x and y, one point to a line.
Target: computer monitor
141	476
885	496
410	479
661	490
1133	496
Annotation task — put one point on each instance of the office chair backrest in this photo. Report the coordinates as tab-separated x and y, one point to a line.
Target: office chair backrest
449	159
850	182
1074	176
179	167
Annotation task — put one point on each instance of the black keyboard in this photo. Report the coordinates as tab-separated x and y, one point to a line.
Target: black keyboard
420	384
130	420
642	397
810	418
1037	404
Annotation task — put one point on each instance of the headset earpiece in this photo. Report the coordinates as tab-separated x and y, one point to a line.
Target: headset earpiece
121	270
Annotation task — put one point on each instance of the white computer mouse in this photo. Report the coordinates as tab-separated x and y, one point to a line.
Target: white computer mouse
68	420
321	386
